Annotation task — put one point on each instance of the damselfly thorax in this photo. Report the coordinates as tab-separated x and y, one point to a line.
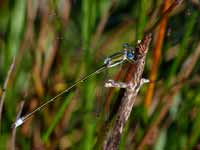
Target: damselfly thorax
119	57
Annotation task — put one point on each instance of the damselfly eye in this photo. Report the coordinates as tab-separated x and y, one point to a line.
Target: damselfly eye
130	55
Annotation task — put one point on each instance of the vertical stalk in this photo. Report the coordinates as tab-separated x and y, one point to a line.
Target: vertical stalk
88	11
157	55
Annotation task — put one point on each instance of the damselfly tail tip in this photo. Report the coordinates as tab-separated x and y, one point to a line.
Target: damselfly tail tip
18	123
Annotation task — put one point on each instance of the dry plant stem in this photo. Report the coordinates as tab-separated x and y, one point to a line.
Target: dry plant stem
164	15
9	74
49	60
65	12
101	25
112	83
113	137
43	32
189	64
156	56
14	129
110	93
167	99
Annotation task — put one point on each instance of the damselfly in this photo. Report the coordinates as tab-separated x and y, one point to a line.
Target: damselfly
127	54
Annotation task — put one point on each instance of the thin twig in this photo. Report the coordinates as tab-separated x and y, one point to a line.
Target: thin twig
112	83
113	137
14	129
2	98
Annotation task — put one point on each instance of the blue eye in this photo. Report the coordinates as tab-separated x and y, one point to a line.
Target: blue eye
130	55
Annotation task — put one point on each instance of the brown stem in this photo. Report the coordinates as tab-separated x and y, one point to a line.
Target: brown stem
5	86
156	56
114	135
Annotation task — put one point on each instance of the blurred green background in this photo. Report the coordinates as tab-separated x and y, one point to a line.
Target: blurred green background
56	42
